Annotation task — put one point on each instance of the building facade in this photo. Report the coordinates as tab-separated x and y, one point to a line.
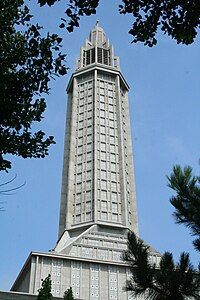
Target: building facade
98	201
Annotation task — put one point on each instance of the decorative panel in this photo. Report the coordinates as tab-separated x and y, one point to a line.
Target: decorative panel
76	278
56	277
94	281
113	282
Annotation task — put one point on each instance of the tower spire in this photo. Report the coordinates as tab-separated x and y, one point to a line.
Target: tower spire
97	49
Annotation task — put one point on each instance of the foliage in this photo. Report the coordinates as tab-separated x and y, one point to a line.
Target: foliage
166	281
68	295
179	19
45	290
187	200
28	61
75	9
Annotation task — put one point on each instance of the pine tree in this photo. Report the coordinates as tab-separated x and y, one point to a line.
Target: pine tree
187	200
68	295
166	281
45	290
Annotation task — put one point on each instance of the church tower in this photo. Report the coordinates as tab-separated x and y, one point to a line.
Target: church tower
98	201
98	177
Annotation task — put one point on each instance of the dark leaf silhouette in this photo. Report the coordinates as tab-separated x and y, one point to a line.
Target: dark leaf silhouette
28	62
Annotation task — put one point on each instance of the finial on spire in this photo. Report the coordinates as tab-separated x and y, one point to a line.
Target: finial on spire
97	23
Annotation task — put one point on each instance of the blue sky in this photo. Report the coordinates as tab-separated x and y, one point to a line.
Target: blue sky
164	107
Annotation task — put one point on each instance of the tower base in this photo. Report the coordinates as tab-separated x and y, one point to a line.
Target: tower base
89	261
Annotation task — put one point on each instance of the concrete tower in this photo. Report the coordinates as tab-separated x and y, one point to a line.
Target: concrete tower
98	202
98	178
